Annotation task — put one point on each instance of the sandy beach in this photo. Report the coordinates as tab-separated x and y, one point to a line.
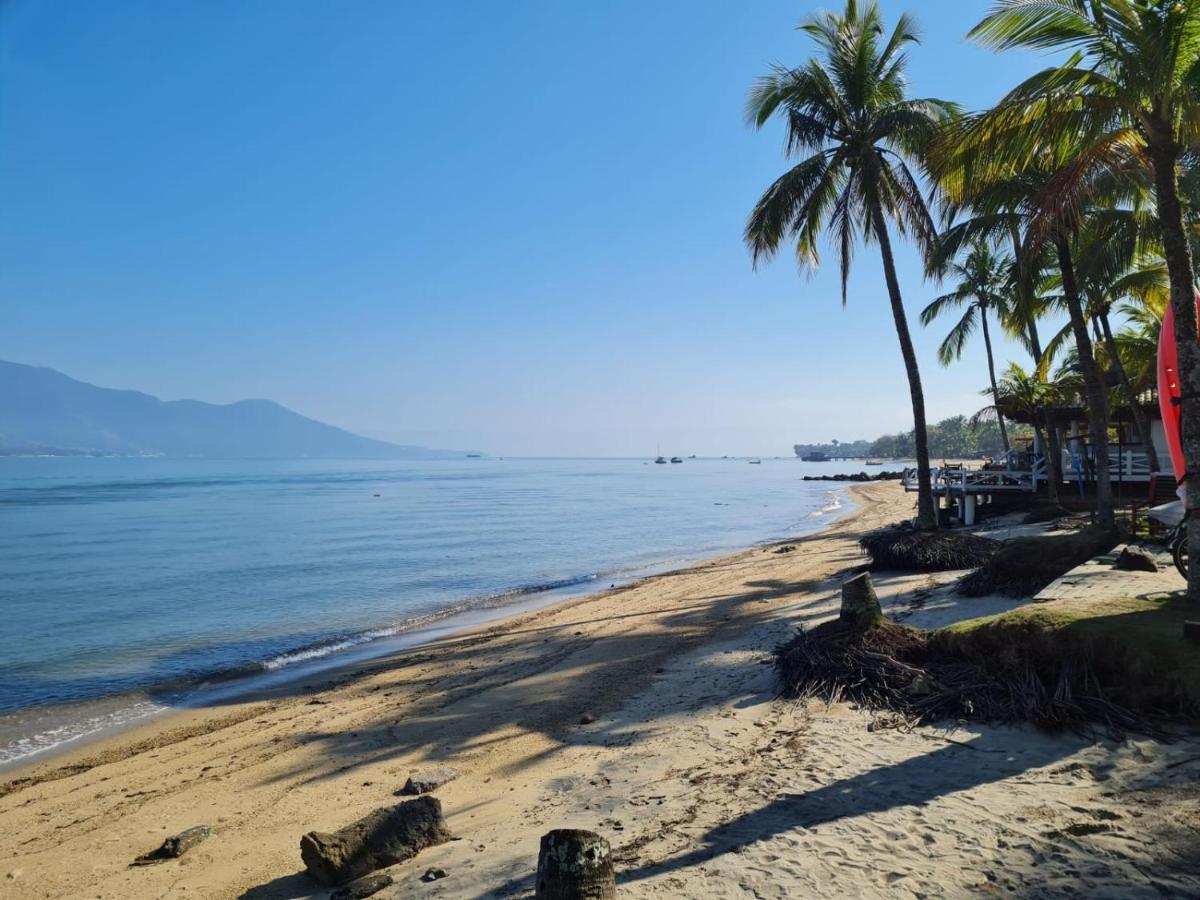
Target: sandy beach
705	783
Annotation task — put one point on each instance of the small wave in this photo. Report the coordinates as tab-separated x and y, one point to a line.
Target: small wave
330	646
835	503
59	735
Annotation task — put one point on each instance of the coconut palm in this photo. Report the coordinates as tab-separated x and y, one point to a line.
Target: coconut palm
1129	95
982	280
1137	342
1025	395
969	175
860	137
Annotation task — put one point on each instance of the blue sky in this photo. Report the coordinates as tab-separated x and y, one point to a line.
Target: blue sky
513	227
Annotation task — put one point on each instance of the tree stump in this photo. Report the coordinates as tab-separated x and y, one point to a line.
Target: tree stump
575	865
860	606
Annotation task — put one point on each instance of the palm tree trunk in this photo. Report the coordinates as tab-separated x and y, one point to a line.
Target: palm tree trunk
1053	462
1035	343
926	512
1165	155
1053	446
987	343
1140	423
1094	385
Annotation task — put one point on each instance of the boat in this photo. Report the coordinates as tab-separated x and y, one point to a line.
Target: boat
756	462
676	459
474	456
660	460
872	462
815	456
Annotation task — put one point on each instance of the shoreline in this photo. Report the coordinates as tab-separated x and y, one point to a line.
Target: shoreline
130	713
649	714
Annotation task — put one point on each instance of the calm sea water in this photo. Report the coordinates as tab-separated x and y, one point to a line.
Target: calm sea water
125	575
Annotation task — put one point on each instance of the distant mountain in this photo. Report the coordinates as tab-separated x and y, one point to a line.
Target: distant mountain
44	411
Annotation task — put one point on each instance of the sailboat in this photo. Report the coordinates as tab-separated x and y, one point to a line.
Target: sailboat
660	459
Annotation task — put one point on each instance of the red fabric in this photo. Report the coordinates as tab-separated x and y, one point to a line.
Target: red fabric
1169	392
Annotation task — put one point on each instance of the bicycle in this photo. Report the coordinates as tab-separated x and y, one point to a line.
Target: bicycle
1177	543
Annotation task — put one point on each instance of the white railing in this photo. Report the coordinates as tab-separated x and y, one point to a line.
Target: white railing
960	479
1124	464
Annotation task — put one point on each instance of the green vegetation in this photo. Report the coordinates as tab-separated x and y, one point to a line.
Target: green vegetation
1134	646
954	438
957	437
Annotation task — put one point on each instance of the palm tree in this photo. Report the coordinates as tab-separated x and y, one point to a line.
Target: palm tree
1113	264
861	137
965	164
998	211
982	278
1025	395
1137	342
1129	95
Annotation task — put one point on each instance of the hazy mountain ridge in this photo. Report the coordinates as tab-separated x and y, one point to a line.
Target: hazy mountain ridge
45	411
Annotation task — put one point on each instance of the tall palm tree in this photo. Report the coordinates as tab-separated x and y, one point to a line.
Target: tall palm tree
847	114
982	279
1128	95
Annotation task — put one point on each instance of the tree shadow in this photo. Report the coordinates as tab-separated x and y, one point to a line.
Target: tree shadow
913	782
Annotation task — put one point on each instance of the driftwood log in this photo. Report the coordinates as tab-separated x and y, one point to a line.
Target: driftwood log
575	865
860	606
383	838
175	846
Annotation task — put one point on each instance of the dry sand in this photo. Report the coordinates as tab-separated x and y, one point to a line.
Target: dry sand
705	783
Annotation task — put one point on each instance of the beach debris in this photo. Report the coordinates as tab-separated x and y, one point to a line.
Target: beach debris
1004	671
587	719
382	838
363	887
1024	566
786	548
426	781
175	846
434	875
1047	513
575	865
905	549
1135	559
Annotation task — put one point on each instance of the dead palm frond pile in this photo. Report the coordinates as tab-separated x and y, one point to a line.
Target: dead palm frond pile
909	550
923	677
1023	566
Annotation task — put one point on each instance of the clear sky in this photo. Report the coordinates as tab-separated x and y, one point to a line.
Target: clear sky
507	226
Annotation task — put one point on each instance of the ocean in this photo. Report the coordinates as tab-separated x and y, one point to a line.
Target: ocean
130	586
